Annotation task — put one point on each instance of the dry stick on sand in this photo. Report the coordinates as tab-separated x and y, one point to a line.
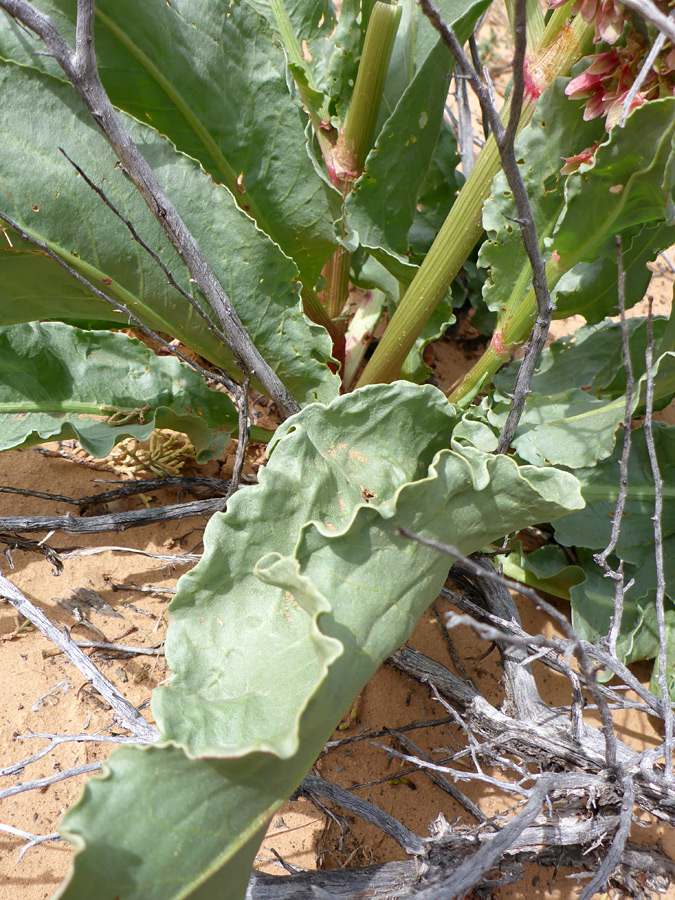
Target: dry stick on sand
81	70
125	713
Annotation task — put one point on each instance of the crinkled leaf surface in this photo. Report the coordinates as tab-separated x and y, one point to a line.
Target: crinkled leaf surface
42	192
99	387
210	76
304	588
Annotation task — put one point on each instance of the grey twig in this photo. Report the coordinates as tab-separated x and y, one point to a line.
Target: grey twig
658	548
80	68
601	558
56	739
125	649
244	435
576	644
32	839
613	857
16	542
134	518
410	842
439	779
651	13
221	377
125	713
172	559
504	138
470	872
22	787
155	256
464	126
656	48
127	489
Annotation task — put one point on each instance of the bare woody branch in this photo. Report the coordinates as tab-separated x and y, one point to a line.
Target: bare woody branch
80	68
659	600
125	713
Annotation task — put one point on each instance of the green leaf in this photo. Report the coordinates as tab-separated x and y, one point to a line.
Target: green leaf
307	578
40	190
589	359
590	289
571	428
578	427
232	111
382	204
441	184
629	184
546	569
591	526
189	836
98	387
555	128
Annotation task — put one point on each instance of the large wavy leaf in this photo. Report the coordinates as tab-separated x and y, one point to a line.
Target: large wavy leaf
40	190
232	111
100	387
304	588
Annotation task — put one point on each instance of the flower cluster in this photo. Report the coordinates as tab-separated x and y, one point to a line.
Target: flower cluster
608	16
607	81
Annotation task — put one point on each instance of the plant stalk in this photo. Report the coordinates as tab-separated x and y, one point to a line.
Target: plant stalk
356	140
560	46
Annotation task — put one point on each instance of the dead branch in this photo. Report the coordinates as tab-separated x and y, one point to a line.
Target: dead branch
22	787
314	786
659	600
135	518
128	489
125	713
601	558
651	13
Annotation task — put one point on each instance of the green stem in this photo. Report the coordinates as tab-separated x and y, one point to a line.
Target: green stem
314	310
560	47
356	139
336	273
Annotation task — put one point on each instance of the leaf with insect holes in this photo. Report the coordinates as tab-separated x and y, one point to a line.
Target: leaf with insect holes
305	579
